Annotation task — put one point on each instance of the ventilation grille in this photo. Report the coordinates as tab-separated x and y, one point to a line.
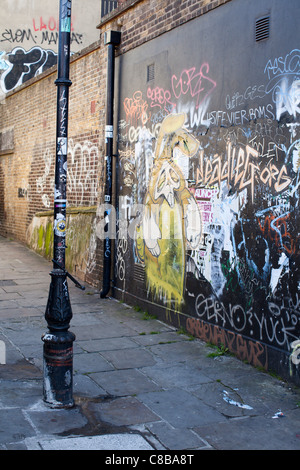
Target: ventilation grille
150	72
108	6
139	273
262	28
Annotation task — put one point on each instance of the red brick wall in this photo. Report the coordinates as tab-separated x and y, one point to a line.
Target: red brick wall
140	21
27	172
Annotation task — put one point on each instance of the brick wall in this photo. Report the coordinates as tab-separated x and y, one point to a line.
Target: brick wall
27	171
140	21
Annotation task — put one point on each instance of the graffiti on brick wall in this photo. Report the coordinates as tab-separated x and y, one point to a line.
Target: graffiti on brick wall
29	37
250	351
234	263
21	65
82	179
82	174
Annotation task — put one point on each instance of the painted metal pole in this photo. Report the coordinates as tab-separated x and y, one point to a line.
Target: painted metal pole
111	39
58	342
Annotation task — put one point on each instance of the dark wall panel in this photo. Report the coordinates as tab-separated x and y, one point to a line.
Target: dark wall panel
208	182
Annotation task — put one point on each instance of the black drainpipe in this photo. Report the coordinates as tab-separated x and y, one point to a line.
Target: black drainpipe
111	39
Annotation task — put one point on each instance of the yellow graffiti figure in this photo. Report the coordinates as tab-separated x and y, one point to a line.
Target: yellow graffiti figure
171	221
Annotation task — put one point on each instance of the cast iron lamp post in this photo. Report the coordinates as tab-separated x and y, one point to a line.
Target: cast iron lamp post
58	342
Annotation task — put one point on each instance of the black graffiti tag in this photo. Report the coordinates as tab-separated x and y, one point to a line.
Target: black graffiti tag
25	65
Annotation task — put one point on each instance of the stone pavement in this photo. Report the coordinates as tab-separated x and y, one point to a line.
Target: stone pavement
138	383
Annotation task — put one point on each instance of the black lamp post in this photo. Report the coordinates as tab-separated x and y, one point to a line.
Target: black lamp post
58	342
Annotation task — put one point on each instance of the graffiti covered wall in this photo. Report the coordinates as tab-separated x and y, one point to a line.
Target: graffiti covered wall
208	203
29	37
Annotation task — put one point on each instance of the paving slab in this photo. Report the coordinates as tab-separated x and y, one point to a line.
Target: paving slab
119	442
100	331
90	362
84	386
180	409
15	427
169	376
105	344
179	351
22	369
255	433
129	358
177	438
19	393
124	382
123	411
52	421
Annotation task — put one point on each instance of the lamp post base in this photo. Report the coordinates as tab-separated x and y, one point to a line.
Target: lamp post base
58	369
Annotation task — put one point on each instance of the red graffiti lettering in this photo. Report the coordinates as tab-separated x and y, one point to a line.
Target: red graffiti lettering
276	230
161	98
136	109
51	24
247	350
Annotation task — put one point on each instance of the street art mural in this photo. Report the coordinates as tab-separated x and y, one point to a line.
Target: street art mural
213	195
171	217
